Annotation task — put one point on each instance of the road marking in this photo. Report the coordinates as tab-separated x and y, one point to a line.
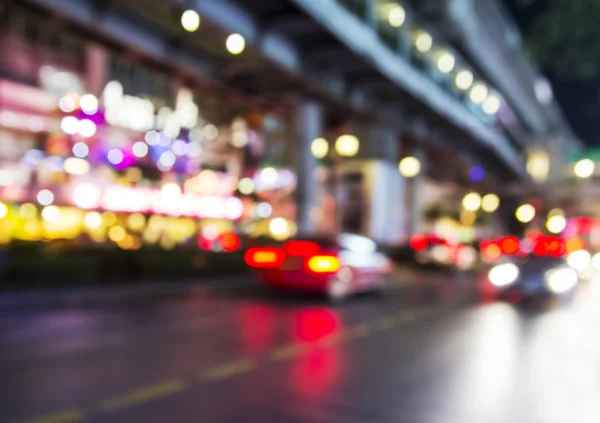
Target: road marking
230	369
63	416
385	322
360	330
288	351
142	395
330	340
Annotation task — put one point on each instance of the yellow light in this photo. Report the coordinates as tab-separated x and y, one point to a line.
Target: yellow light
491	105
75	166
424	42
278	226
472	201
92	220
490	203
525	213
468	218
28	211
3	210
51	214
584	168
126	243
556	212
478	93
235	44
446	62
117	234
246	186
109	218
190	20
319	148
556	224
409	167
171	189
134	174
538	165
397	16
136	222
347	145
324	264
464	80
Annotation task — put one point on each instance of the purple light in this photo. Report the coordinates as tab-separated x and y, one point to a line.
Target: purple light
476	174
98	117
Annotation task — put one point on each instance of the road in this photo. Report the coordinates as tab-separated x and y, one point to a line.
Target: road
242	355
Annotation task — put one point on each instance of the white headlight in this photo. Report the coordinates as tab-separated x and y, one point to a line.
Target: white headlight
561	280
503	274
579	260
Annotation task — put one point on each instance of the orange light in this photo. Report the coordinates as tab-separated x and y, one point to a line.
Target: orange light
510	245
323	264
574	244
264	257
301	248
492	252
230	242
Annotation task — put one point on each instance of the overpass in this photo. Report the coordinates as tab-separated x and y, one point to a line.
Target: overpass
439	75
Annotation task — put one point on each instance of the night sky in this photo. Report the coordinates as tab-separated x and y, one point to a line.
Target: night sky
578	100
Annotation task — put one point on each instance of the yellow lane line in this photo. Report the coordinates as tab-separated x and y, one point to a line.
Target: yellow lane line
288	351
142	395
64	416
360	330
230	369
385	323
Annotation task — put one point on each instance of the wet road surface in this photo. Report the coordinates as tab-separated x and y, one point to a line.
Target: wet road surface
416	355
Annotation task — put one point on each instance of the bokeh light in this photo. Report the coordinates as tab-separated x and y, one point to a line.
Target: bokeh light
45	197
556	224
347	145
525	213
319	148
446	62
490	203
397	16
478	93
424	42
190	20
584	168
409	167
471	201
235	44
464	80
246	186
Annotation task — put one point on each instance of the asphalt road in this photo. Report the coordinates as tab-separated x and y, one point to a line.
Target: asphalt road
417	355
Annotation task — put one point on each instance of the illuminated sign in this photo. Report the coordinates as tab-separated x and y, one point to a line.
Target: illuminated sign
147	200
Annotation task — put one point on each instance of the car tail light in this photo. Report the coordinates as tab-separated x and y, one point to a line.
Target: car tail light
264	257
419	242
510	245
323	264
301	248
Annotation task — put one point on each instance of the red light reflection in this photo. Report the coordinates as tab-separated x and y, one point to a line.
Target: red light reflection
315	373
257	324
316	324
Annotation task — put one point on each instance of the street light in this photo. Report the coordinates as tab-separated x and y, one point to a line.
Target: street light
472	202
397	16
478	93
584	168
190	20
556	224
446	62
347	145
409	167
490	203
235	44
525	213
491	105
319	148
424	42
464	80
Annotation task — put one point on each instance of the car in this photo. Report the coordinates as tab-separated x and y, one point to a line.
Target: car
336	267
531	278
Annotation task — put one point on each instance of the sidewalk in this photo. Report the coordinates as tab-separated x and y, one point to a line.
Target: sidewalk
102	294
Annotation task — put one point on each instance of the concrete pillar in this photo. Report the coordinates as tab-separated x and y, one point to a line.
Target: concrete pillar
385	187
416	187
309	125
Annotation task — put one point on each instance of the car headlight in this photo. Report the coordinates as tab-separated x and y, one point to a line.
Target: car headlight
561	280
503	274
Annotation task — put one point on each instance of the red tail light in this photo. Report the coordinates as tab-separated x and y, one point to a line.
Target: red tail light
510	245
301	248
230	242
419	242
492	252
323	264
264	257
